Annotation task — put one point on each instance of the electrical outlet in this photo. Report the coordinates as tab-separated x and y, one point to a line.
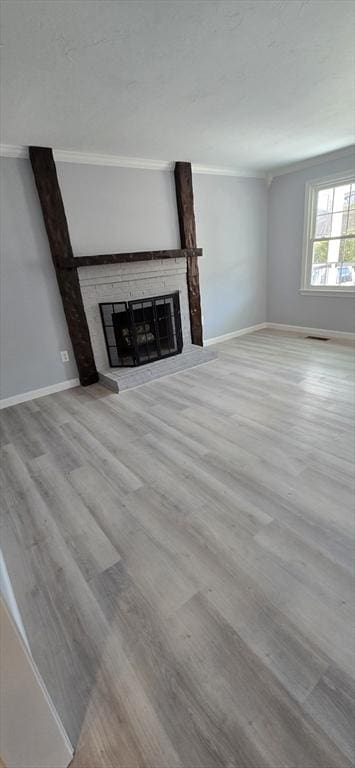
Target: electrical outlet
65	356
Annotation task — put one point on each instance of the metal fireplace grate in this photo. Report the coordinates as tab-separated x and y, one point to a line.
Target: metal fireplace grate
139	332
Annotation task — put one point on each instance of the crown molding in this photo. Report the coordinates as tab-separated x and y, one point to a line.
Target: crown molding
318	160
90	158
12	150
242	173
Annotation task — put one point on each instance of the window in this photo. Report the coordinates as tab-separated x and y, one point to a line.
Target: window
329	236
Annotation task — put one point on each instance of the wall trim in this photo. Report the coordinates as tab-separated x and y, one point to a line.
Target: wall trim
309	162
234	334
122	161
13	150
242	173
346	335
34	393
90	158
93	158
62	385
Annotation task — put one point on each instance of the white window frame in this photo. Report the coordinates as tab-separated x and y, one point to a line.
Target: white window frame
310	213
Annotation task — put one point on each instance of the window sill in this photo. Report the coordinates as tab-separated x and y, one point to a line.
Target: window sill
327	291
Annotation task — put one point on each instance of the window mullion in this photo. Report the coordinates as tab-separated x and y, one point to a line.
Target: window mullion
337	237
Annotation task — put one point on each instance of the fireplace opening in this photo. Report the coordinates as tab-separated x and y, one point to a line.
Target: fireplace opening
138	332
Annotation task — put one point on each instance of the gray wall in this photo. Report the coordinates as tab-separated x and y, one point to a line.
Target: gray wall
118	209
231	222
113	209
108	209
285	304
33	327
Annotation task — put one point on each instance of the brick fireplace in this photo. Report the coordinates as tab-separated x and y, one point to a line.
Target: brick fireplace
114	284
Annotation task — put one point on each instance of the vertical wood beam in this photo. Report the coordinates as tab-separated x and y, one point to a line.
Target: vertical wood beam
55	221
185	206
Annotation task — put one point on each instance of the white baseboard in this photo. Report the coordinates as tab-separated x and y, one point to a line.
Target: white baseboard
311	331
234	334
22	398
345	335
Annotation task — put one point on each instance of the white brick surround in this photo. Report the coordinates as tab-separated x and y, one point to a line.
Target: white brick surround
124	282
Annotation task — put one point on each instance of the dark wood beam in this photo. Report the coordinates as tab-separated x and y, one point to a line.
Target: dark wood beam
185	206
55	221
124	258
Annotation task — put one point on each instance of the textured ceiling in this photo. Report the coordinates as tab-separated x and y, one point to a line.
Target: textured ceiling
250	84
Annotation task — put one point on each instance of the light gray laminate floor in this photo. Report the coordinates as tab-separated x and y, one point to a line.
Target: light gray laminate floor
182	555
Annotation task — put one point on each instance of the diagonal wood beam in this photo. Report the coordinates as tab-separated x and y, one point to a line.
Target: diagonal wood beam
185	206
55	221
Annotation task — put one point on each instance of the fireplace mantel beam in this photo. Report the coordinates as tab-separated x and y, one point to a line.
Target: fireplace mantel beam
128	258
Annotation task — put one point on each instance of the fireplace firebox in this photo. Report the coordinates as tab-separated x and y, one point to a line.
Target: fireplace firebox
139	332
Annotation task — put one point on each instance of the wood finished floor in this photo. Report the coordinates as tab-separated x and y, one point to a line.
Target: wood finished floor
182	555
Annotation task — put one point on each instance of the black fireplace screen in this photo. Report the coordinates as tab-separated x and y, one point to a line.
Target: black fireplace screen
138	332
